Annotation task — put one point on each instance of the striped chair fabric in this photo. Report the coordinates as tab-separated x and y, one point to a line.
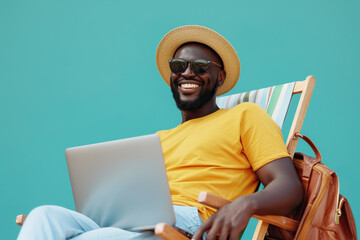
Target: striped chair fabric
274	100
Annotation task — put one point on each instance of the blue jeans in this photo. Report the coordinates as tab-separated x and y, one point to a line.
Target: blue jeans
53	222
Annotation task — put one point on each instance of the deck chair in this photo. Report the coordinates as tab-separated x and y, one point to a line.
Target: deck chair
275	101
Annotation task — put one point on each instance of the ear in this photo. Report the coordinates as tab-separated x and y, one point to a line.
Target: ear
221	78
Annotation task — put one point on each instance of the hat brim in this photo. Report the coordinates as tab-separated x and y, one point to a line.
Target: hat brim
193	33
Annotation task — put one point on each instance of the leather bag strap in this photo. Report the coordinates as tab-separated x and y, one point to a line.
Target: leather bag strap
309	162
311	144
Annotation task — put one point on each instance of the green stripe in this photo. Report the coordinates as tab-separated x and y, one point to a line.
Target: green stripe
274	99
246	97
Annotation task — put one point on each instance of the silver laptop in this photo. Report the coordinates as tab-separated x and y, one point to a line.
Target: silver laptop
121	183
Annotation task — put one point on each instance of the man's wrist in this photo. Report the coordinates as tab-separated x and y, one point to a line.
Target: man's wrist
249	203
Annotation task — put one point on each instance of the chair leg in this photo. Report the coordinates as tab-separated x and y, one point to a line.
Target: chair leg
260	230
166	232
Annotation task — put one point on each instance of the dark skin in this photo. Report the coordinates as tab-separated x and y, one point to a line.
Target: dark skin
282	191
207	81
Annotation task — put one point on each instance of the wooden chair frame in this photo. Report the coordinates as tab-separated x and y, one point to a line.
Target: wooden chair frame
305	88
164	231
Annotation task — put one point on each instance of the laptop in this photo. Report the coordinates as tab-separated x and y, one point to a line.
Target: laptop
121	183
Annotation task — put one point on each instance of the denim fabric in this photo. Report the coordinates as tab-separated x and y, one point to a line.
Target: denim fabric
53	222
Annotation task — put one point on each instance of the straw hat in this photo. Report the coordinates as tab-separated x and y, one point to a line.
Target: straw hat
192	33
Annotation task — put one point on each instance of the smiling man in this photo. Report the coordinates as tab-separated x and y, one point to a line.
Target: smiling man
224	152
221	151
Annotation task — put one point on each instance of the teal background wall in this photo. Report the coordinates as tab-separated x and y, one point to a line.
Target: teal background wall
79	72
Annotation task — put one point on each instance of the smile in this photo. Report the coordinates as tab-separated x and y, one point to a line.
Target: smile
189	85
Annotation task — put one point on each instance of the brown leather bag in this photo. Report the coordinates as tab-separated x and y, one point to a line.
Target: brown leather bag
324	213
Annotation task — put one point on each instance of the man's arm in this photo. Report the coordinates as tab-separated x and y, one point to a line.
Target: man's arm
282	193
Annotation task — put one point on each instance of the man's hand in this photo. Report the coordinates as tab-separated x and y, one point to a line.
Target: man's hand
228	221
282	193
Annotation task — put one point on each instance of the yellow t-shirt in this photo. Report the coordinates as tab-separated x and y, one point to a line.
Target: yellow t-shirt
219	153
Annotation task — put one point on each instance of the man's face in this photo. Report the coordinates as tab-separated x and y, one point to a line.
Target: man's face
192	91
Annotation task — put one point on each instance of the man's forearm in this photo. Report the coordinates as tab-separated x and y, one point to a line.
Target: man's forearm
279	197
283	191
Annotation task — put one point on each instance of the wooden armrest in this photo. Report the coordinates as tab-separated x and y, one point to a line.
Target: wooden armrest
165	231
212	200
20	219
279	221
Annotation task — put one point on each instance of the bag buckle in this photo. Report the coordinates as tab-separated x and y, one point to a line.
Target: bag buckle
337	216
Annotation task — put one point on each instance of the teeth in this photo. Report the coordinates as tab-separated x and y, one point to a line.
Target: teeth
189	85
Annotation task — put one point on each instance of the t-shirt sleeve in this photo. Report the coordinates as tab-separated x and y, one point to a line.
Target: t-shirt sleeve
261	137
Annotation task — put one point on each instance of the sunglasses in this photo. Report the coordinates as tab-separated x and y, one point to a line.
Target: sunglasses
198	66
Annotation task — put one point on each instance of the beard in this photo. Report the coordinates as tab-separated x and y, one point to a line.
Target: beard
201	100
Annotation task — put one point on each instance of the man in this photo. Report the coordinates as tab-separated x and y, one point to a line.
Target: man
224	152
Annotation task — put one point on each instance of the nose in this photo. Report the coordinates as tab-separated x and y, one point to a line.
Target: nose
188	72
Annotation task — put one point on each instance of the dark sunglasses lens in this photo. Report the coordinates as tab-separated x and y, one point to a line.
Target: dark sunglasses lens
177	66
200	66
